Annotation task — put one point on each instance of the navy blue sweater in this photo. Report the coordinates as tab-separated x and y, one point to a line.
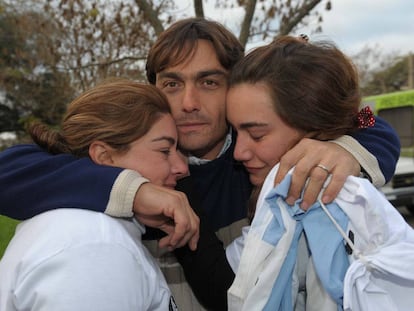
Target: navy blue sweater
33	181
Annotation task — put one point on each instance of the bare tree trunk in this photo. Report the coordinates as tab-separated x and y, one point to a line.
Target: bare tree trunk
151	15
198	8
247	21
286	28
383	86
410	71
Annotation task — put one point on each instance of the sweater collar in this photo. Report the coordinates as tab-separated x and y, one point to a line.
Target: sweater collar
192	160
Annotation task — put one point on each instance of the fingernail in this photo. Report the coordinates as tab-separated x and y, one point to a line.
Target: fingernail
304	206
290	200
326	199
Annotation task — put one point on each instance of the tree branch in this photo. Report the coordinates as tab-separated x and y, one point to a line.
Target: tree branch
247	21
108	63
307	7
198	8
151	15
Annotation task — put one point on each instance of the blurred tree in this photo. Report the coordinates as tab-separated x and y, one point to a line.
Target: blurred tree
9	119
100	39
50	48
111	38
381	73
261	19
30	84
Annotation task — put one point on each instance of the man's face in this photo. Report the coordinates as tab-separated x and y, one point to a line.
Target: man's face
196	91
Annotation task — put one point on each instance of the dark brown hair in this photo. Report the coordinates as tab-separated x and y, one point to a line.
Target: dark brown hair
314	86
176	44
116	112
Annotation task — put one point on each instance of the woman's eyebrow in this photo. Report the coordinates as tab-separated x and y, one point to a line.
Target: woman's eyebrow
246	125
170	139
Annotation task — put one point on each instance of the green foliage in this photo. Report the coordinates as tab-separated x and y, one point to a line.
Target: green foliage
9	119
390	100
51	50
98	39
30	82
7	227
389	79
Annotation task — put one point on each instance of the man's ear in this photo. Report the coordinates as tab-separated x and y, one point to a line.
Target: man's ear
101	153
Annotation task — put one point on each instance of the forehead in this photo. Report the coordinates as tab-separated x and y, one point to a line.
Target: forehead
164	129
200	57
166	123
248	101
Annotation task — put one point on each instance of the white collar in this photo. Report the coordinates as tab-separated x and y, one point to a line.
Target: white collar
193	160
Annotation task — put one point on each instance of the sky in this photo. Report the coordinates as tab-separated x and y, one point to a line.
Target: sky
388	24
351	24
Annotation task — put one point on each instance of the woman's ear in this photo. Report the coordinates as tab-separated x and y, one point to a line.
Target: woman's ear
101	153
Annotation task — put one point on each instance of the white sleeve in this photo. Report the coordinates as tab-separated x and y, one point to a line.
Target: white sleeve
121	199
366	159
235	249
88	277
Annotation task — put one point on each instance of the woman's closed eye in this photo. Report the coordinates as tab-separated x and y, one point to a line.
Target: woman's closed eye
257	134
166	151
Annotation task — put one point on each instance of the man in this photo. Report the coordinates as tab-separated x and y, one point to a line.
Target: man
189	63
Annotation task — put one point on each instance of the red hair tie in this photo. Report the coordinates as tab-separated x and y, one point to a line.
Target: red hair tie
365	118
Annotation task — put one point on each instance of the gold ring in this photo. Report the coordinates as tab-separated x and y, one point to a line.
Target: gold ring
323	167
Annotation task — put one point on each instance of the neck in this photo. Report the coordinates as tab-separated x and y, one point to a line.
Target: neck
209	153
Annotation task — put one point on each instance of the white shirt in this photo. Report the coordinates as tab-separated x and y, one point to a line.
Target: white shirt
72	259
381	271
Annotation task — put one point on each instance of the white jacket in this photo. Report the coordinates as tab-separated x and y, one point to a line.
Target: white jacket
78	260
381	271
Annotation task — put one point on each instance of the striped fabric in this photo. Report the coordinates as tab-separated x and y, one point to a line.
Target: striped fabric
381	271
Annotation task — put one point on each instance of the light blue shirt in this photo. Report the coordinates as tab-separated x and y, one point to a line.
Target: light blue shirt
330	259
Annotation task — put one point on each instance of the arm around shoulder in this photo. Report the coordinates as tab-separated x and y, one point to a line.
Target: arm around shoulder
37	181
377	149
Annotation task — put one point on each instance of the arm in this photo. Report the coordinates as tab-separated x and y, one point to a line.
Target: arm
37	181
374	149
377	149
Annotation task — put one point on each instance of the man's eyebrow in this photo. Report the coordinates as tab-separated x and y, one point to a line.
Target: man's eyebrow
169	74
199	75
206	73
167	138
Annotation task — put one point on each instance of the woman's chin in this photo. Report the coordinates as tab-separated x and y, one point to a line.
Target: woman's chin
256	180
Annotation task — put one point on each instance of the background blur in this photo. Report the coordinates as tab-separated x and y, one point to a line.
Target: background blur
51	50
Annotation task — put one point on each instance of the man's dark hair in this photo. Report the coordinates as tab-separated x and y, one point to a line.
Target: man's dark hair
177	44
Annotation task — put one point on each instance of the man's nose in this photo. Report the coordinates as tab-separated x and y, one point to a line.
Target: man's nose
191	100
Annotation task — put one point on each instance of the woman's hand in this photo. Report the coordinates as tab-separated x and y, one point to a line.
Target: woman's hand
314	161
167	210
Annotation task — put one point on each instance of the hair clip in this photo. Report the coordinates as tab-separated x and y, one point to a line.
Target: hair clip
303	37
365	118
